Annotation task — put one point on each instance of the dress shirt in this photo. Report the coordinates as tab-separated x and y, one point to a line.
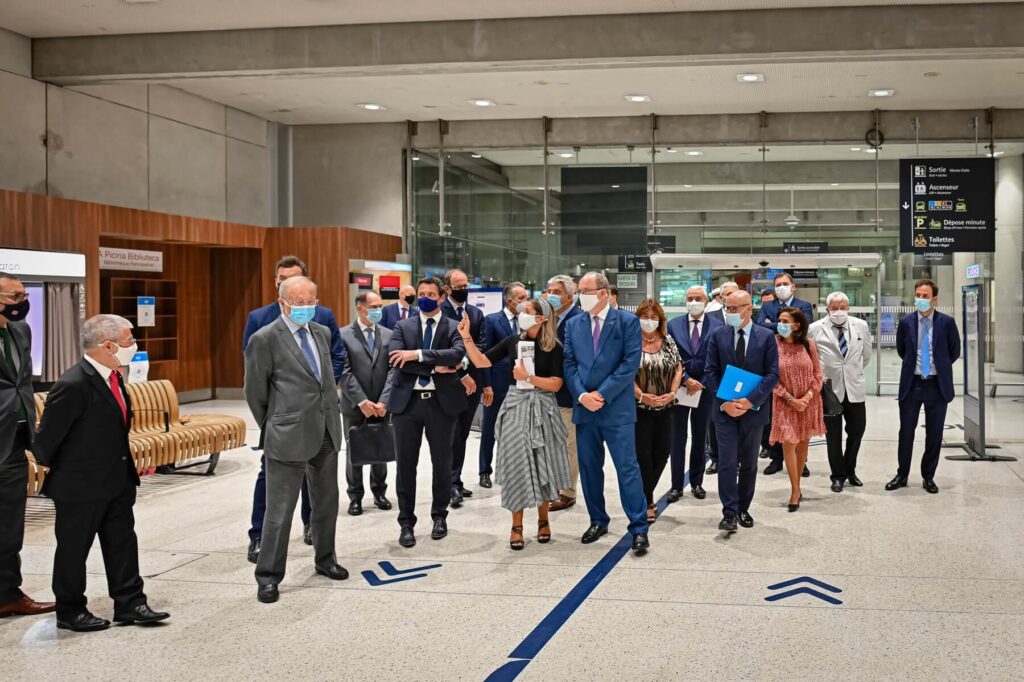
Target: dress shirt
690	319
512	318
103	371
433	344
931	343
746	336
294	329
376	341
603	316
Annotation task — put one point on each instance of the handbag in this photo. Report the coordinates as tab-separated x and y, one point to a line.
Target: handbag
830	403
372	442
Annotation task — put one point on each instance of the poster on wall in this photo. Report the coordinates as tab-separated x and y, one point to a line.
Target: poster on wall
947	206
389	287
146	311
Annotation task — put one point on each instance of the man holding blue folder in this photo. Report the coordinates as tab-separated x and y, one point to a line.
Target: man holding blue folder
742	368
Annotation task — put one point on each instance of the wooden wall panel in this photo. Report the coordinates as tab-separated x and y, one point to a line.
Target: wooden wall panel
236	288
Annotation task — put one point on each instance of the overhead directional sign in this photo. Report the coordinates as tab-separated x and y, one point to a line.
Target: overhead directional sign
947	206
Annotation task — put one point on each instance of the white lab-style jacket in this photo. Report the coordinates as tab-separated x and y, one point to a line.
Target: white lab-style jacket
847	374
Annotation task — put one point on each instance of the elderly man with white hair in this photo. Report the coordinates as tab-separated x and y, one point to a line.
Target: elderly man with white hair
844	349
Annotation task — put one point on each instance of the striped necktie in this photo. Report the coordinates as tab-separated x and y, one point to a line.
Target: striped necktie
843	348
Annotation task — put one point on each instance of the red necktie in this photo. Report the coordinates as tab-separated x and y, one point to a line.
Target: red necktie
115	388
404	311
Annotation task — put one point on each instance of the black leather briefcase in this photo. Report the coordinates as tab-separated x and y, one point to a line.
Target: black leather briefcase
830	403
372	442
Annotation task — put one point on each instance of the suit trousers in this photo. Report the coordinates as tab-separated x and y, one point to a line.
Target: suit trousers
283	482
922	393
570	449
684	420
775	453
259	502
423	415
652	436
354	473
487	433
460	436
620	438
842	463
738	442
712	436
13	492
76	526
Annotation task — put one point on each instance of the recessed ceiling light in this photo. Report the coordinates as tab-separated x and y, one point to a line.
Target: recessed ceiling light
476	156
991	154
638	98
481	102
871	150
616	186
670	150
694	152
541	189
687	186
415	158
856	149
750	77
881	92
370	106
835	184
566	155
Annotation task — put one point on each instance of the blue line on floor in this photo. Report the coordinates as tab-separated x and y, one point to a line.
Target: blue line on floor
559	616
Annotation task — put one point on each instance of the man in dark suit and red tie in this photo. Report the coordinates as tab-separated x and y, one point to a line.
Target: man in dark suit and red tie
83	438
928	343
402	309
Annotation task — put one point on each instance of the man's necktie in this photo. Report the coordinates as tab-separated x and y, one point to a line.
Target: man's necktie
695	335
115	388
843	348
458	313
515	325
741	350
307	350
597	332
404	312
428	337
926	347
369	338
8	360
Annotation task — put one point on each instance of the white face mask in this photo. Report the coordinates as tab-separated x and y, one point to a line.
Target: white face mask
526	321
695	308
783	292
838	317
649	326
125	355
588	302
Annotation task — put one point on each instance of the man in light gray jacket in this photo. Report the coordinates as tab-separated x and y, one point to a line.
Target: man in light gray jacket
290	389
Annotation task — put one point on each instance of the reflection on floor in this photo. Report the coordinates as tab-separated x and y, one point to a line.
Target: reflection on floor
932	587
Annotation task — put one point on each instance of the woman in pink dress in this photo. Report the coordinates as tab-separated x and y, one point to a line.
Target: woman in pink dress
796	404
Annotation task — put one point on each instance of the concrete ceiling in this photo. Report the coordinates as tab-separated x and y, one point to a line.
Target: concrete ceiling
51	18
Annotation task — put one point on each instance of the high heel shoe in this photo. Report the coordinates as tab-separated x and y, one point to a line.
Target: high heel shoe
793	507
543	531
516	544
652	514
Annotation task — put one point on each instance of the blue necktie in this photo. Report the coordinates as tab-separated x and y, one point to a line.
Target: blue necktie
428	336
369	338
307	350
926	349
843	348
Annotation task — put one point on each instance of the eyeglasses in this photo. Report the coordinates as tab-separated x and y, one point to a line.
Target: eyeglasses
588	292
302	304
735	308
16	296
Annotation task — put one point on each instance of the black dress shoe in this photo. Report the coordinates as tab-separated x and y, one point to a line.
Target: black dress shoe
728	524
763	454
806	472
355	508
141	614
854	481
698	491
334	572
712	468
407	538
746	520
485	481
267	594
593	533
930	486
83	622
641	544
307	534
897	482
674	495
254	550
837	485
773	468
439	530
465	492
456	501
381	502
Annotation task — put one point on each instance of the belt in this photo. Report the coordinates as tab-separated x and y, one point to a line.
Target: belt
921	378
425	395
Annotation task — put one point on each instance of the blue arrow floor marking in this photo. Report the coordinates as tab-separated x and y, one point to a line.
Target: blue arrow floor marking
405	574
804	590
805	579
390	569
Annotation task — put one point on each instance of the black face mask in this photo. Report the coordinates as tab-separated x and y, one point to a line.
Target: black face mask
15	312
410	299
460	295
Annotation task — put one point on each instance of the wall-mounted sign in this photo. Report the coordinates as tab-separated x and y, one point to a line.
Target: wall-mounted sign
389	287
42	264
146	311
661	243
974	271
131	259
947	206
804	247
138	368
635	263
623	281
361	280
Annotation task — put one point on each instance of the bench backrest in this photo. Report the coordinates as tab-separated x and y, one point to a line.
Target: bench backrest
150	399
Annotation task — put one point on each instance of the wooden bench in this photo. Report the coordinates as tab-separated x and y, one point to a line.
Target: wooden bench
161	438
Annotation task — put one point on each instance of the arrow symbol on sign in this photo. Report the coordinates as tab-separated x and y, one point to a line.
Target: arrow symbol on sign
905	205
402	574
804	590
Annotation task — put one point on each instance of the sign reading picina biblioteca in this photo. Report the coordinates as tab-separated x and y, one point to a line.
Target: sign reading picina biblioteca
131	259
947	206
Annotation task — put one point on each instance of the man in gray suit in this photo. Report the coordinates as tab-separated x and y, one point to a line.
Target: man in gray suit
290	389
364	391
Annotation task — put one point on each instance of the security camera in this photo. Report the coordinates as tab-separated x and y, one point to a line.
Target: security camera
763	263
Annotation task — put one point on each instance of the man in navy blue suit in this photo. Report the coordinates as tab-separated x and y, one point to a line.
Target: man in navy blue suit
692	333
928	343
289	266
497	327
738	423
602	356
561	294
402	309
768	317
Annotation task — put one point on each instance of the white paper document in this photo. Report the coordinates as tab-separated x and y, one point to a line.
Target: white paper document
687	400
524	352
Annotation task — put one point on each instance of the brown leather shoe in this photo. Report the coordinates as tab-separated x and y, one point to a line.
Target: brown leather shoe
26	606
561	503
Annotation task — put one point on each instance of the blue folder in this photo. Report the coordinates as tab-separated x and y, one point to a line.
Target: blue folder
737	383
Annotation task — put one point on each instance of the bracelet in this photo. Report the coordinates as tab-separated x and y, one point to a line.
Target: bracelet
789	398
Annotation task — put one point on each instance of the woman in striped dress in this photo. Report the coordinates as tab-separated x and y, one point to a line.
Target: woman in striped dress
532	464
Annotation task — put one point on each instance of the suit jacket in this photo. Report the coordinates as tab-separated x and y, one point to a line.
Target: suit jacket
261	317
610	373
761	358
770	311
564	397
496	330
693	362
447	351
945	351
292	408
83	438
846	373
16	390
477	329
365	376
392	315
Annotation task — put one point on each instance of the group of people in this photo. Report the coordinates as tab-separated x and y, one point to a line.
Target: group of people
562	377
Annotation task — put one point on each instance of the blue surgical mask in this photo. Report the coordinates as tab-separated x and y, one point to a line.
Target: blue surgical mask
302	314
427	305
375	314
734	320
555	300
923	305
784	329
